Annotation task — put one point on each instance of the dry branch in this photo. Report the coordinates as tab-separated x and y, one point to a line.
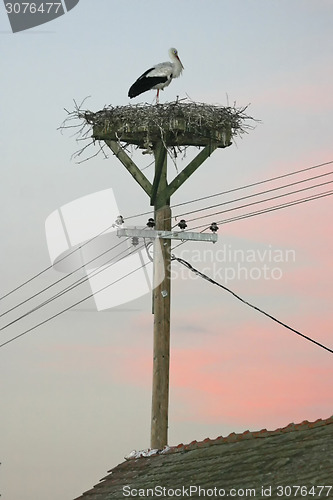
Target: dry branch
177	124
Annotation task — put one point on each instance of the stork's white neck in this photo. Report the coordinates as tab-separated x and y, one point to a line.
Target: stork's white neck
177	65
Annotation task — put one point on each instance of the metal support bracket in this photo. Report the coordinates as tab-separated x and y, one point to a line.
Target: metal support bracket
178	235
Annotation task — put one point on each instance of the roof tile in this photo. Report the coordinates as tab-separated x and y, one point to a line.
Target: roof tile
298	452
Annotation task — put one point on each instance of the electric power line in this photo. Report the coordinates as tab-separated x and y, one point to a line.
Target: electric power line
239	188
207	278
257	202
71	306
176	205
63	278
82	280
140	267
60	260
269	209
71	287
260	193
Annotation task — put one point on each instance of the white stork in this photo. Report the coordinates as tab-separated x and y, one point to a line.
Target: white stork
158	77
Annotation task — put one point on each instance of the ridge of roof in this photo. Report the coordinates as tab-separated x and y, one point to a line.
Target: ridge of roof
231	438
283	454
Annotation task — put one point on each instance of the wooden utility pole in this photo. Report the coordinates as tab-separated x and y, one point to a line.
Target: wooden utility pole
161	353
160	192
161	303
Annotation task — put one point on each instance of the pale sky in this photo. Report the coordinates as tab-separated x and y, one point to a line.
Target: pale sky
76	392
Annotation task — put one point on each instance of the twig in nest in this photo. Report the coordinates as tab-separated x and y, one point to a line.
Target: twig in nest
175	124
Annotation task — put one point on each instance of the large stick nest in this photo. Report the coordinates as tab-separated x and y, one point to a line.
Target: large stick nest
177	124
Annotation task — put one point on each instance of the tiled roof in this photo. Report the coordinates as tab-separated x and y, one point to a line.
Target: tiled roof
296	455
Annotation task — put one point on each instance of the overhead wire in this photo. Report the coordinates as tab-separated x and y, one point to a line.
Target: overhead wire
173	206
268	209
207	278
74	285
278	207
238	188
258	194
60	260
140	267
70	287
80	281
257	202
70	307
253	184
63	278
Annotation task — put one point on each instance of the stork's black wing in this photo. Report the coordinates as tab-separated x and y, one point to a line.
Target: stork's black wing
145	82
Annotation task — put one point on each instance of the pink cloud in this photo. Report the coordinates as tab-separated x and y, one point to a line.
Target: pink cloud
237	373
241	378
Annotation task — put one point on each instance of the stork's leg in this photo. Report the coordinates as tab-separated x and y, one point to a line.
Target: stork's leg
157	96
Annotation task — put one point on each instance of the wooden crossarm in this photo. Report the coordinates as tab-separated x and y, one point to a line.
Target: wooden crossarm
188	171
132	168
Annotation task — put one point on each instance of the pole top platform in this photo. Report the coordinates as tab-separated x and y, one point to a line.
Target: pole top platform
175	124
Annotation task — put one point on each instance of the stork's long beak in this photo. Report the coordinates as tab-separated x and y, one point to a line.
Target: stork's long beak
180	62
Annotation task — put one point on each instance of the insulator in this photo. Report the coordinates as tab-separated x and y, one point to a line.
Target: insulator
151	223
213	227
182	224
119	220
135	241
